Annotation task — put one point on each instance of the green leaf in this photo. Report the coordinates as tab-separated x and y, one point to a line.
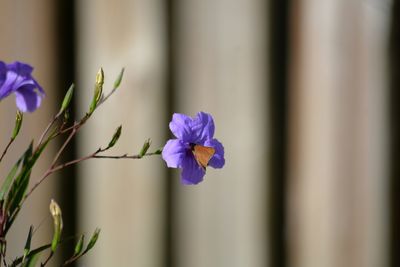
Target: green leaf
31	261
28	241
79	245
21	182
31	254
7	182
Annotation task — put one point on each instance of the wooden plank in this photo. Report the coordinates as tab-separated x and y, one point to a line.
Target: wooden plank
27	34
124	198
221	67
338	177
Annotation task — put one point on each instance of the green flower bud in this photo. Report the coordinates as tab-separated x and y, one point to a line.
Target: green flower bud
58	224
93	240
119	79
145	147
115	137
98	90
158	151
67	98
18	124
79	245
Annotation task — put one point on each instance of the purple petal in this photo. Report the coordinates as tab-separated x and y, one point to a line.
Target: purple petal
27	99
174	152
180	127
202	127
218	160
3	72
20	68
192	173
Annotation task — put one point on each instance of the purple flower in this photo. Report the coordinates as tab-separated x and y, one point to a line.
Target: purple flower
195	148
16	78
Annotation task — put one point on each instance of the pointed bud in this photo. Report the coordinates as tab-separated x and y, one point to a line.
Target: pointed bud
79	245
158	151
119	79
100	77
98	90
18	124
58	224
67	115
93	240
67	98
115	137
145	147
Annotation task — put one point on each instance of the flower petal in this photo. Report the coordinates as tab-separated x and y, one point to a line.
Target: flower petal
27	99
218	160
18	75
192	172
3	72
174	152
180	127
20	68
202	127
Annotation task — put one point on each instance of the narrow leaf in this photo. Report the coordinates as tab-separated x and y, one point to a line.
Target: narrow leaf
7	182
28	241
32	261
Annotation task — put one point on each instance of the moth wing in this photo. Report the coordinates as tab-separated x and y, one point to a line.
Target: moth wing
203	154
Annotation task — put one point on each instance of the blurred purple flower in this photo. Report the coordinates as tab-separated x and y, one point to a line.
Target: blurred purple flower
16	78
195	148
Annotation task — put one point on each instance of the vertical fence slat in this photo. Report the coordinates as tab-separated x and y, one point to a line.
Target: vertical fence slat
27	34
125	197
221	69
338	177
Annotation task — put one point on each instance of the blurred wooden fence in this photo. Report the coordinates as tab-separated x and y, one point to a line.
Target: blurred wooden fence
299	93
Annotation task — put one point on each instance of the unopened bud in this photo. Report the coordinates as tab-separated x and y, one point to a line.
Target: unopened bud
115	137
145	147
98	90
119	79
67	98
18	124
58	224
93	240
79	245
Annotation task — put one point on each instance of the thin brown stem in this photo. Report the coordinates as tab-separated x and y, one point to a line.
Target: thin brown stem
125	156
47	260
48	128
6	149
63	147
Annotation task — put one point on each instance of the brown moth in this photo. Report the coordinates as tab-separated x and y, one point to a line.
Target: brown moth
203	154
